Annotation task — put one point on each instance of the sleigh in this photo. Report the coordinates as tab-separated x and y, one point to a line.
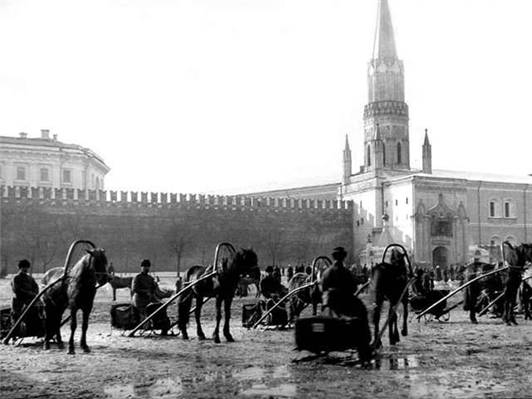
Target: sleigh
125	316
31	326
420	302
254	312
324	334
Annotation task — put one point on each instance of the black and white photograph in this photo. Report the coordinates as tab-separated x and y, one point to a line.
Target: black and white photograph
265	199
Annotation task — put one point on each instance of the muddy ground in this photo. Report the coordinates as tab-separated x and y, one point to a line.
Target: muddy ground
437	360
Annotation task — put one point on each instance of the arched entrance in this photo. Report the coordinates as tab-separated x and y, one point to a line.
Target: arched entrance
440	257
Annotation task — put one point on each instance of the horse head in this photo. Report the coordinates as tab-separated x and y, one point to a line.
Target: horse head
99	263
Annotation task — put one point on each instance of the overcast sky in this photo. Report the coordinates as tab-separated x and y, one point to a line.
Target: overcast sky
240	95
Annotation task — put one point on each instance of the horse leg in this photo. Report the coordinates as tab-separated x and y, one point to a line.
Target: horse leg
216	333
84	326
73	325
393	334
57	331
376	319
404	330
49	327
183	310
197	315
114	293
227	314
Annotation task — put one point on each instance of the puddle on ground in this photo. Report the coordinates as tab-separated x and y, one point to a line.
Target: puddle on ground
250	380
279	391
163	388
396	363
462	384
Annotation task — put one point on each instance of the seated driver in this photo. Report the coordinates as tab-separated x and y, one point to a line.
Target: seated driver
338	286
24	289
143	289
271	287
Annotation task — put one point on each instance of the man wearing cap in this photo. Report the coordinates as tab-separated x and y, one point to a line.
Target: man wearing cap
24	289
338	286
143	288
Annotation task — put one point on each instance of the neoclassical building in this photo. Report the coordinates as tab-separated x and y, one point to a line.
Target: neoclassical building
441	217
47	162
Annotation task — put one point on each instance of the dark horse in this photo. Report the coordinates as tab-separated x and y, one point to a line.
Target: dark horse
75	292
388	282
517	257
221	286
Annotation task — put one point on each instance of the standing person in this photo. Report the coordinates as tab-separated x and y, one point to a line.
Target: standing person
143	288
472	292
338	286
24	289
289	273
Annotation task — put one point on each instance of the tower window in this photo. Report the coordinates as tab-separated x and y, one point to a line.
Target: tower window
407	200
399	160
369	155
384	155
396	202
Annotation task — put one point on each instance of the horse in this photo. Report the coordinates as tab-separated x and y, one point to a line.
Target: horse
75	292
388	281
118	282
517	257
300	300
222	287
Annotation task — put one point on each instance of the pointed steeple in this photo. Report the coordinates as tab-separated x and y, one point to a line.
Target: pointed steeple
427	154
426	142
384	45
348	163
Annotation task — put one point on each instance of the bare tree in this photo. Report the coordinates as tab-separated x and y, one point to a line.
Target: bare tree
180	237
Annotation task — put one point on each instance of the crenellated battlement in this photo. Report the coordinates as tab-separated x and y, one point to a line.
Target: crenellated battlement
128	199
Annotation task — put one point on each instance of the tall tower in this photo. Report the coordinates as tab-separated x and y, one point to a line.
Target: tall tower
386	114
348	165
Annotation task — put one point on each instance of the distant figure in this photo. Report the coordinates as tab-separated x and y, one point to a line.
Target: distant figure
289	273
308	270
472	292
111	270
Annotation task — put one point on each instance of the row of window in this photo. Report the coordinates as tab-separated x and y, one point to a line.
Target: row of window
397	202
494	209
21	174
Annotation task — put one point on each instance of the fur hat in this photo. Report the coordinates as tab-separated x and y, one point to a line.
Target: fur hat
23	263
145	263
339	253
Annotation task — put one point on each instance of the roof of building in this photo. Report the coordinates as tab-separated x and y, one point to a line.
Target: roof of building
471	176
51	143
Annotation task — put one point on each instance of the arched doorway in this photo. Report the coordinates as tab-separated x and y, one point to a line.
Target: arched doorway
440	257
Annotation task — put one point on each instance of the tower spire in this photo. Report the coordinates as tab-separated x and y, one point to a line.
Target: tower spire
348	164
384	45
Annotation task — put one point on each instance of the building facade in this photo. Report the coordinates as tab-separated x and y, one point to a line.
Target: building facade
46	162
441	217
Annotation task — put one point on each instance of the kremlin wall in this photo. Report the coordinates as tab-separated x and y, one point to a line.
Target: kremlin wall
175	231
